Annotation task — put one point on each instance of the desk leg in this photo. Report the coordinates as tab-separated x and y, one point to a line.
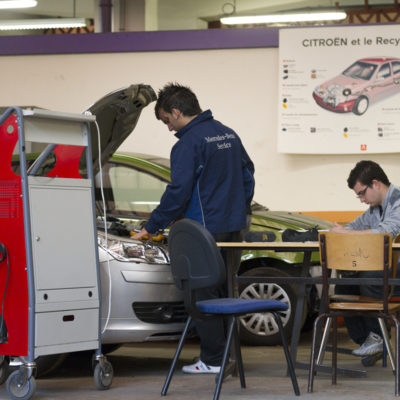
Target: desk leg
301	294
230	279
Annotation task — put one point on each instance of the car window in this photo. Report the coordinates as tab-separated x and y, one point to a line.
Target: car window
130	191
30	159
384	71
396	67
360	70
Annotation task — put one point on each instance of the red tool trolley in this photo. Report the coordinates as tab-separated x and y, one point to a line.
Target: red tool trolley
49	267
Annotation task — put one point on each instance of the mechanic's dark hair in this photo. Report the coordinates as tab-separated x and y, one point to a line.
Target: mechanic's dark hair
365	172
173	95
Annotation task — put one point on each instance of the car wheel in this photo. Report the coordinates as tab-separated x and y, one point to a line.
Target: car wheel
3	369
47	364
44	364
110	347
361	105
260	328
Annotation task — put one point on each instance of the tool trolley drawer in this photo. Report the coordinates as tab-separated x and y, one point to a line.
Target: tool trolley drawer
63	327
66	299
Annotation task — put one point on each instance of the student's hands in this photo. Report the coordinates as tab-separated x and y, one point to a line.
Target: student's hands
341	229
338	228
142	234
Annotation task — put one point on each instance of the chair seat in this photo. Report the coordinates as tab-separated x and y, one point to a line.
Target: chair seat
358	298
239	306
352	298
363	306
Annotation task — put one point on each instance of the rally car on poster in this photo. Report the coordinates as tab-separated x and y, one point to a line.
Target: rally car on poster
366	81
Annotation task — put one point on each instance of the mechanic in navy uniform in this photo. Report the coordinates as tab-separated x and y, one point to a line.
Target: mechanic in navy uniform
212	182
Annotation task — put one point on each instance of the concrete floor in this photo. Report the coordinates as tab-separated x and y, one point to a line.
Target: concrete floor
140	370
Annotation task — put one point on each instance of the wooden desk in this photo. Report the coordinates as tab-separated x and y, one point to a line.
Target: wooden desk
307	248
278	246
302	281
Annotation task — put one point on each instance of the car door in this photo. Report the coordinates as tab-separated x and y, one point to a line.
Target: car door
383	83
396	76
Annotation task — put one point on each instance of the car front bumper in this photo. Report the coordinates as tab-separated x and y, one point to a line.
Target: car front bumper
340	108
145	304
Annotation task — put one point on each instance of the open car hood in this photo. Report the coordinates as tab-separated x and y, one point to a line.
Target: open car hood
117	114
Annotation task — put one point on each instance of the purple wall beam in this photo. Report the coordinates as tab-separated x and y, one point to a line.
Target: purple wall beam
140	41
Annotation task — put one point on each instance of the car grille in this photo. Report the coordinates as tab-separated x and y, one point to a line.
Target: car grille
160	313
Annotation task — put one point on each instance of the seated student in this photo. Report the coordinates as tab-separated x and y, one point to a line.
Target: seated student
372	187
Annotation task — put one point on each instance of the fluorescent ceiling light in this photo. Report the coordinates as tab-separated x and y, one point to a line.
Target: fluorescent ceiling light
17	4
44	23
277	18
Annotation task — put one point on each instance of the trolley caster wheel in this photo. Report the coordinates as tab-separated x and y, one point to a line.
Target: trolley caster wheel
3	371
103	376
18	389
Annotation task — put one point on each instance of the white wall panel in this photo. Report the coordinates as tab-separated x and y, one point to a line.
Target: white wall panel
241	88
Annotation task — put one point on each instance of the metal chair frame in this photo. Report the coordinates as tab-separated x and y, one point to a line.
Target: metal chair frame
196	263
359	253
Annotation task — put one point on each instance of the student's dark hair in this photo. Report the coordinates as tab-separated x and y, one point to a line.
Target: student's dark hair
365	172
173	95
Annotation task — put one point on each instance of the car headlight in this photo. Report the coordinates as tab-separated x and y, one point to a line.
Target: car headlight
133	251
319	90
346	92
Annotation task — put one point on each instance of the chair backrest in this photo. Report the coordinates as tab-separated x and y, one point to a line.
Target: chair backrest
355	252
196	261
395	255
395	261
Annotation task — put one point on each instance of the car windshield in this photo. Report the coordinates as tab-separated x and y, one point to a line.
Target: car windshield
129	191
360	70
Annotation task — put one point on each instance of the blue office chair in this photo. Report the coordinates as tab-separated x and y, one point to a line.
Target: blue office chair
196	263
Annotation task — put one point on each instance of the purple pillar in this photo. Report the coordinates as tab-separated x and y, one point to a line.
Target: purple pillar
105	12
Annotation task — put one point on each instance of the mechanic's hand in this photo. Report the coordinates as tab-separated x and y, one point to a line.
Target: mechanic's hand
338	228
142	234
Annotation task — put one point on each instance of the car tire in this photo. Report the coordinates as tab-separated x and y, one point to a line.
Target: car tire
44	364
110	347
47	364
361	105
257	329
3	369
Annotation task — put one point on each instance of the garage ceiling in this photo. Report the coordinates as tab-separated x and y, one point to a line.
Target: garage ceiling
184	14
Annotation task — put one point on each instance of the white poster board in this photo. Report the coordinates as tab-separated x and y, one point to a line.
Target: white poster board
339	90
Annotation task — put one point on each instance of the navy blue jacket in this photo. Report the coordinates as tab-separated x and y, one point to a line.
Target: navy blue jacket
211	178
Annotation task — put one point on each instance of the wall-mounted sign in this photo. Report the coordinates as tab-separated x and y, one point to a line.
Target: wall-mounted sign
339	90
